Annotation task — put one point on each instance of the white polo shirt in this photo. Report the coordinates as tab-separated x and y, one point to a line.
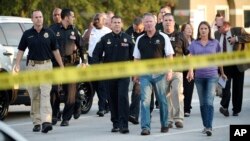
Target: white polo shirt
95	36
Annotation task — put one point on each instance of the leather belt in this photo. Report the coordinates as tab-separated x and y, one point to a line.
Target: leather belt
33	62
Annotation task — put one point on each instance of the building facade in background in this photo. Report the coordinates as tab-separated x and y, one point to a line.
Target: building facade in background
237	12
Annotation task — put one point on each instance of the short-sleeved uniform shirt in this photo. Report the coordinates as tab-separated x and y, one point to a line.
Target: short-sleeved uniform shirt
40	44
68	39
130	31
157	46
179	43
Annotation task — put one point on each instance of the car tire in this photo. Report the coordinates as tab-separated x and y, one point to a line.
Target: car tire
86	94
4	104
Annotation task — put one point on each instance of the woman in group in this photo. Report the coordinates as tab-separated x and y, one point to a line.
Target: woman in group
205	78
188	86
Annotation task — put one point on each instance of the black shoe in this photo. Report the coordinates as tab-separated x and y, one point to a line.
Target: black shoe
164	129
77	113
101	113
170	125
46	126
187	114
37	128
54	120
157	106
145	132
235	114
106	111
115	129
209	132
133	119
59	114
124	130
65	123
179	124
224	111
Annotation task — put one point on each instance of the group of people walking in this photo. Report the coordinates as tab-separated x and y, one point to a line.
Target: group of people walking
57	46
62	45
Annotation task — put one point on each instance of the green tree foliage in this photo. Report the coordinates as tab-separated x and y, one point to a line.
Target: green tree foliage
84	9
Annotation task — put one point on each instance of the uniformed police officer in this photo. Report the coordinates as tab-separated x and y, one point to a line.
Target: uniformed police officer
135	30
71	47
41	42
116	46
56	88
175	96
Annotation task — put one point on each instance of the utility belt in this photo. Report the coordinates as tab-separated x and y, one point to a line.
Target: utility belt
71	59
35	62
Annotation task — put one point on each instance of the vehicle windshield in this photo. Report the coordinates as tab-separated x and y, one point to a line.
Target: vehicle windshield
11	33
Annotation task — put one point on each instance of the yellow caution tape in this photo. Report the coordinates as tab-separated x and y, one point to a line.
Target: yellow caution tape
121	69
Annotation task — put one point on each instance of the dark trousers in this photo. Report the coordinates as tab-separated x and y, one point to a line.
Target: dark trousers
188	88
237	79
71	104
55	94
119	102
55	100
153	102
101	89
134	108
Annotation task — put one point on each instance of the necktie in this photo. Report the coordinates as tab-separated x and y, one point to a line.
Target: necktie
224	44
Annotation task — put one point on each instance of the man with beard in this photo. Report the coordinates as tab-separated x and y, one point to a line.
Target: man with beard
56	88
135	30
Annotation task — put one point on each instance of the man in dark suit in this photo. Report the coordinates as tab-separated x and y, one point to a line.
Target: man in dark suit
232	39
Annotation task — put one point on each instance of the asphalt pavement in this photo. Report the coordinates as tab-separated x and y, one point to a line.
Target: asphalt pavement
90	127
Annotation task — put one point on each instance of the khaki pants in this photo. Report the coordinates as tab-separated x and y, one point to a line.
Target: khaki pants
175	98
40	97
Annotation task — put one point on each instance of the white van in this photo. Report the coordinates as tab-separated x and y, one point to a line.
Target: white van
11	30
